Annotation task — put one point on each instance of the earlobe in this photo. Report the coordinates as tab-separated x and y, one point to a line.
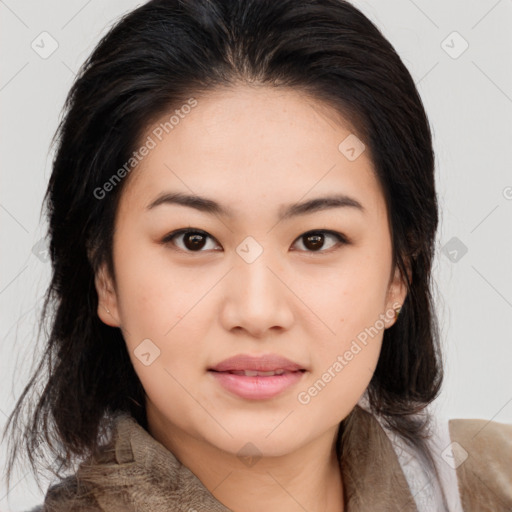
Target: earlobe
397	294
107	299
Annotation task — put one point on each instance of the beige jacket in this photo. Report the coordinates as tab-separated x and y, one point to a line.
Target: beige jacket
140	474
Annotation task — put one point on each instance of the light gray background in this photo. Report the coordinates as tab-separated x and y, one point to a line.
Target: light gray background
468	97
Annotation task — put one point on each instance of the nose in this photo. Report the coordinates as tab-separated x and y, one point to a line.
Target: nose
257	299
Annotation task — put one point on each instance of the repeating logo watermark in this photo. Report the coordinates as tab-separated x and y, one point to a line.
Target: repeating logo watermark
454	45
351	147
44	45
249	249
146	352
40	250
454	249
249	454
454	455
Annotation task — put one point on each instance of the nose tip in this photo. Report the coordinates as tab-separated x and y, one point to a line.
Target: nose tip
257	300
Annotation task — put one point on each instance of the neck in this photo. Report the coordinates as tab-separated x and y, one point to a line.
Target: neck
273	484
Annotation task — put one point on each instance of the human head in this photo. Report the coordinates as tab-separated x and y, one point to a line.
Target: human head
150	64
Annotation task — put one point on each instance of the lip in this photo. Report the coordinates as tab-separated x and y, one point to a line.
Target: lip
263	363
257	387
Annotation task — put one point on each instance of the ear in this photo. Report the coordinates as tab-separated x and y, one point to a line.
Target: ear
397	292
108	311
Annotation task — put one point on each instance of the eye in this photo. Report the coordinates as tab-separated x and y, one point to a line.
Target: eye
193	239
314	240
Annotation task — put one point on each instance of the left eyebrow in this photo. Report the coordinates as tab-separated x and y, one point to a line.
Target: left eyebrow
285	211
319	204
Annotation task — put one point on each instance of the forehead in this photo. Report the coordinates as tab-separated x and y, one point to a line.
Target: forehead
251	147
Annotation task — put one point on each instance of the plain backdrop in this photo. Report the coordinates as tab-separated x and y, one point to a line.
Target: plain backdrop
459	54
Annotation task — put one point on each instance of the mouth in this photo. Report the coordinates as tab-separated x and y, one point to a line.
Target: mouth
256	373
257	385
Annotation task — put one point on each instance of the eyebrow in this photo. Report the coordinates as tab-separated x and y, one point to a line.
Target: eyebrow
211	207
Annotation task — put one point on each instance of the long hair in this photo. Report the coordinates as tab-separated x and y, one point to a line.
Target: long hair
155	59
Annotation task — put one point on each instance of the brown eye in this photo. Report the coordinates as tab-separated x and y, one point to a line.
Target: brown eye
194	240
191	240
314	241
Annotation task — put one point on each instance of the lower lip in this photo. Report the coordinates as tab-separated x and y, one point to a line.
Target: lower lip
258	387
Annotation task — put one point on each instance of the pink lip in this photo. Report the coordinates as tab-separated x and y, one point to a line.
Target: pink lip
264	363
257	387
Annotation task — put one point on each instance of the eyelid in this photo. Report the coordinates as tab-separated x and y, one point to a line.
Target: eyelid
342	239
167	238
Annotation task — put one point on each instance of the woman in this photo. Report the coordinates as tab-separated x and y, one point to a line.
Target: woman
242	215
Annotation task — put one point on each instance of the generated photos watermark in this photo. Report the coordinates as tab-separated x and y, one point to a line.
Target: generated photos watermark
152	140
304	397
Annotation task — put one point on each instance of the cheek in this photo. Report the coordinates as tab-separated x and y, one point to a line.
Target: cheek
150	296
153	309
349	302
159	308
343	364
349	296
143	307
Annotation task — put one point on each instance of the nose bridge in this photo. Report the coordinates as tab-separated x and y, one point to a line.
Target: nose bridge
255	279
258	300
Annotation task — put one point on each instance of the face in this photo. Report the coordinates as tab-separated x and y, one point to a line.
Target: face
258	275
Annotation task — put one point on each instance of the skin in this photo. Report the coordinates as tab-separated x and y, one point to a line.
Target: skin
252	149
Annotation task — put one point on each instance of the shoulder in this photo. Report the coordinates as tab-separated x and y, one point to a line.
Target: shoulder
69	494
100	481
483	460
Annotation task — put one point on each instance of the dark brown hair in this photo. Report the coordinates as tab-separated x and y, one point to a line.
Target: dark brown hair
150	62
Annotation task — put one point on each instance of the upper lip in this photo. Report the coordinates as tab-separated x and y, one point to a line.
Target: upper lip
264	363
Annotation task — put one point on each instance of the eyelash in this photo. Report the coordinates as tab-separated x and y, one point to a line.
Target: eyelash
342	239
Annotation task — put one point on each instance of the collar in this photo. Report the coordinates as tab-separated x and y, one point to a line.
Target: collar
137	472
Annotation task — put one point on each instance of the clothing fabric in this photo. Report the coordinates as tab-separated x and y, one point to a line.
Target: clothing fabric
137	473
430	492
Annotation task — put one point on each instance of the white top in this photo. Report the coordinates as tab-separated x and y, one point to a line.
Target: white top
426	489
